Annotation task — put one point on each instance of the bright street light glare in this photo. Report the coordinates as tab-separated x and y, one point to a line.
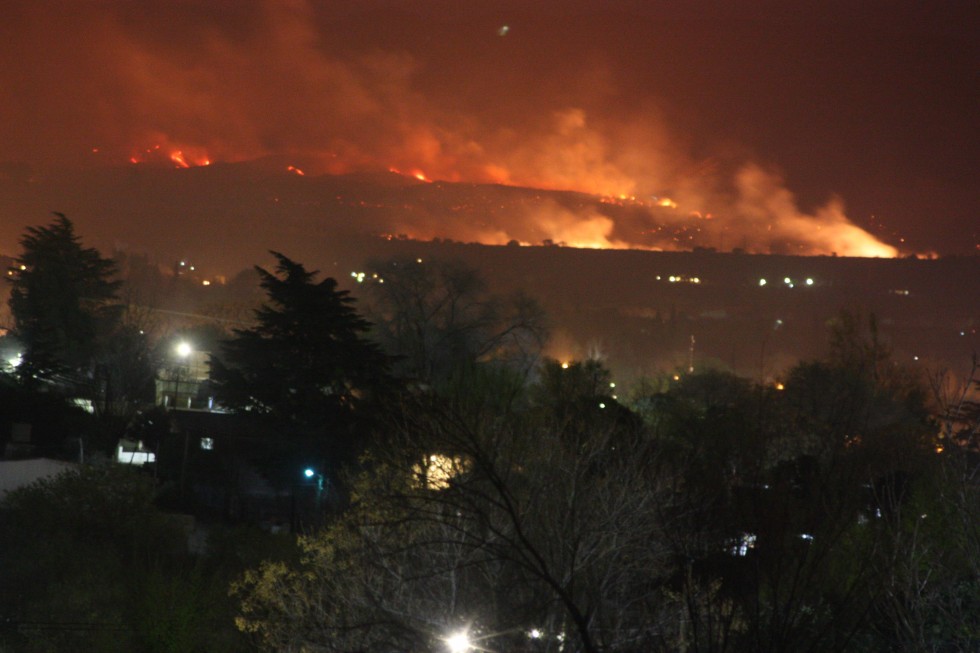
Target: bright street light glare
183	349
458	642
308	472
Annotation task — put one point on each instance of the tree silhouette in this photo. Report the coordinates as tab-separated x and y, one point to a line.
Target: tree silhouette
307	362
62	301
439	317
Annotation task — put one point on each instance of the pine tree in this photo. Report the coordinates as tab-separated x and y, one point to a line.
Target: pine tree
308	362
62	302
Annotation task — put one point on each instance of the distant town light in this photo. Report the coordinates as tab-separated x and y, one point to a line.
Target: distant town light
762	282
809	281
564	365
308	472
787	280
743	545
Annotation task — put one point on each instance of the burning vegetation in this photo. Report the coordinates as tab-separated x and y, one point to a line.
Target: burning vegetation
606	179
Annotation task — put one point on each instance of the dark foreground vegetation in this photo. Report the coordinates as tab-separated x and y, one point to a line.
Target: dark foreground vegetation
468	492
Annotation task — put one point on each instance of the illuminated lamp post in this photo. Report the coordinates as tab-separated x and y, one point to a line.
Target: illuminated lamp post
183	351
459	642
310	474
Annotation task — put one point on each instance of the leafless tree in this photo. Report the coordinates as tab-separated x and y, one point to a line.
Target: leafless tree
489	520
440	315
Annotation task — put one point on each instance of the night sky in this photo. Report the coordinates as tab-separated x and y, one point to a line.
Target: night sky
758	112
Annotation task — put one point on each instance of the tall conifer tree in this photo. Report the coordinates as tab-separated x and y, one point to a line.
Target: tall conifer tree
63	303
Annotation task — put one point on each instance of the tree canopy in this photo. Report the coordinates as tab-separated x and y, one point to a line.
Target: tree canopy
307	362
62	301
732	517
439	316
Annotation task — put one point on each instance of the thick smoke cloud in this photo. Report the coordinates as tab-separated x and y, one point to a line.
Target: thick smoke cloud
105	82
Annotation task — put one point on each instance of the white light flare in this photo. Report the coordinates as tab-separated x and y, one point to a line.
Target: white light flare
458	642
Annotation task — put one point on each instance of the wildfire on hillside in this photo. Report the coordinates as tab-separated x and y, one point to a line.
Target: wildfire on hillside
179	157
643	188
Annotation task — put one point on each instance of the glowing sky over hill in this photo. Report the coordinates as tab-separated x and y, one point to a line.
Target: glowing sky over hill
852	131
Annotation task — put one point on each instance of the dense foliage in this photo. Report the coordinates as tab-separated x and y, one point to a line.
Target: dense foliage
493	493
62	302
87	563
438	316
307	364
732	517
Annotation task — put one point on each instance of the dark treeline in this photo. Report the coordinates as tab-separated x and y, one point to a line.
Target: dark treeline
468	493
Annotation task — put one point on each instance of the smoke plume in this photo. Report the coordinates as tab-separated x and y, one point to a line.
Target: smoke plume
110	83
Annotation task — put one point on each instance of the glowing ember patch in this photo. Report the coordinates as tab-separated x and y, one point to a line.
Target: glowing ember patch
178	158
416	173
187	160
185	156
296	170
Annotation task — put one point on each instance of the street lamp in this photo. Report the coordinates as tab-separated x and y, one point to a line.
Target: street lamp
459	642
310	473
183	350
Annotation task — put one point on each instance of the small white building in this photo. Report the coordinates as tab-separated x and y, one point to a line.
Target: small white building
129	452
